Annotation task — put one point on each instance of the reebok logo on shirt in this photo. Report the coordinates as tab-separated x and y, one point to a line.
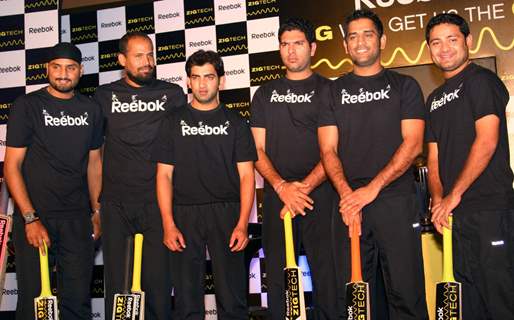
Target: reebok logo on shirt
291	97
137	105
365	96
64	120
445	98
204	129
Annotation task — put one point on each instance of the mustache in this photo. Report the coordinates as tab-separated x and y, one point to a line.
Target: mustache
145	67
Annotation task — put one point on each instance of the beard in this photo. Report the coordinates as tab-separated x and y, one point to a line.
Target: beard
141	80
63	88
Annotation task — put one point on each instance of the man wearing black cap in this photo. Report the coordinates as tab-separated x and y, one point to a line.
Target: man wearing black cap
133	108
53	171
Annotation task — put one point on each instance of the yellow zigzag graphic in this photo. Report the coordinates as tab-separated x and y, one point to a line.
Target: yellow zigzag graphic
11	43
141	28
233	48
244	113
495	40
202	19
4	117
40	4
262	11
84	37
266	77
422	47
108	65
172	55
37	77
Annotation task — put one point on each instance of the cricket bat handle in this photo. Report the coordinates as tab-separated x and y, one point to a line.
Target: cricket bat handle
45	273
4	198
138	257
356	255
448	253
288	234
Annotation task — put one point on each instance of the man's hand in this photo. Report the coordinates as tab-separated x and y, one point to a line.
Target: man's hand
238	239
97	227
295	198
443	209
355	224
173	239
36	233
353	202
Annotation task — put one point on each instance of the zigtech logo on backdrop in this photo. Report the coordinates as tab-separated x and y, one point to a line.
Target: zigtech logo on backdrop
170	47
12	33
40	5
237	99
264	66
7	97
199	13
108	56
140	18
83	27
36	66
258	9
232	39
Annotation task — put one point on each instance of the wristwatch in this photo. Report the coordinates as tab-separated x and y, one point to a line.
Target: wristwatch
30	217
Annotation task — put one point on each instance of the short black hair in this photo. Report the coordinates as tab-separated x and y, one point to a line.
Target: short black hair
299	24
451	18
363	14
201	57
123	43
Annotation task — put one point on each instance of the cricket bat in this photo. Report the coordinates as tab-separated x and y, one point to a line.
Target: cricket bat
45	306
294	298
130	305
448	304
139	295
357	291
5	227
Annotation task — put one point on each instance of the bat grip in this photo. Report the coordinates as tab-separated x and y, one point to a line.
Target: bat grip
447	253
288	234
138	257
356	256
46	291
4	198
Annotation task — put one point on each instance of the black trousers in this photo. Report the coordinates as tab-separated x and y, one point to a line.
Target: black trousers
314	232
209	225
71	252
119	221
391	236
483	251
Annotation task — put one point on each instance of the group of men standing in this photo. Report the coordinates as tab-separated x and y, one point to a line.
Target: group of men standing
336	155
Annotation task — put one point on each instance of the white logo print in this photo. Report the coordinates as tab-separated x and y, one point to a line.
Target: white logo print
291	97
137	105
445	98
365	96
204	129
64	120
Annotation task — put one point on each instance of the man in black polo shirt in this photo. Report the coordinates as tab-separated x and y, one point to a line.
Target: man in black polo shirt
53	157
205	188
369	137
133	108
284	117
469	173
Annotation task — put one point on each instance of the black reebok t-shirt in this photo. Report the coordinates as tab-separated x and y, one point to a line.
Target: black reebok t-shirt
204	147
133	116
289	110
58	135
454	108
368	112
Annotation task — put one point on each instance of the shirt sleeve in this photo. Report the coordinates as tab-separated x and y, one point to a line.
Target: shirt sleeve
162	149
258	110
488	95
326	112
245	145
412	105
19	126
98	128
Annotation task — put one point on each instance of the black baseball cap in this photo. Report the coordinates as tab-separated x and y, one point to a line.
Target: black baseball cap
65	50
